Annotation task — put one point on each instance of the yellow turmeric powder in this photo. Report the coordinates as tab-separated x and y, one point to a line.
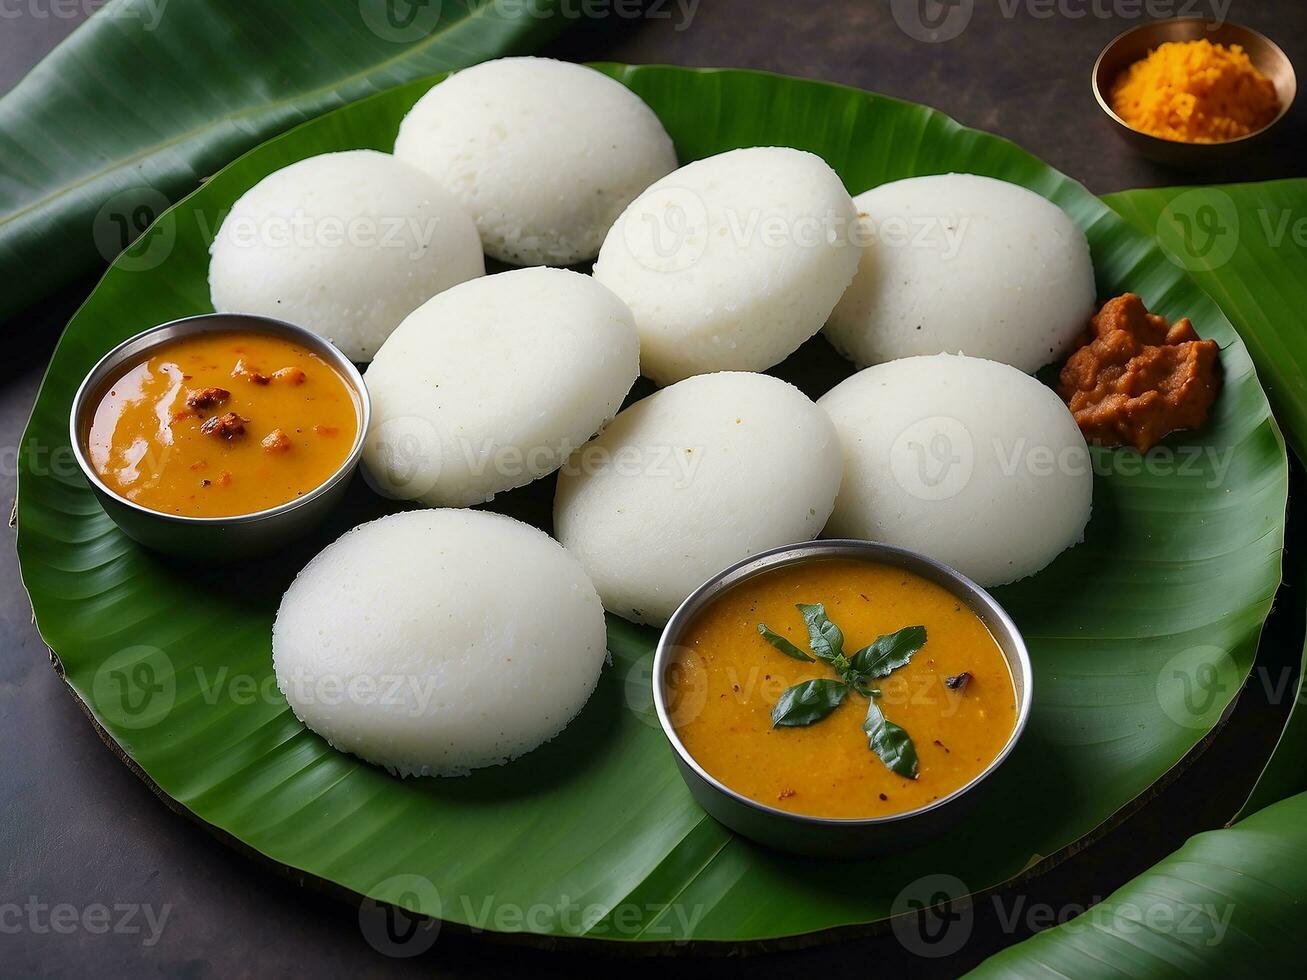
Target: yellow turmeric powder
1195	92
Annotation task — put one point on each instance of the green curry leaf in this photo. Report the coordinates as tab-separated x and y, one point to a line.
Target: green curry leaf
782	644
888	653
825	638
890	742
808	702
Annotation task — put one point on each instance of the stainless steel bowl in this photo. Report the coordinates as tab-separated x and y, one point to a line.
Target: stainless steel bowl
823	836
220	538
1133	45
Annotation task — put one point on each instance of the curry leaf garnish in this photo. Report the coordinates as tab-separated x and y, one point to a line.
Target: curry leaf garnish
890	742
811	701
888	653
808	702
825	638
782	644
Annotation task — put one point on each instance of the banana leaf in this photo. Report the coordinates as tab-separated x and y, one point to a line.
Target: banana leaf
1246	245
1140	637
148	98
1229	903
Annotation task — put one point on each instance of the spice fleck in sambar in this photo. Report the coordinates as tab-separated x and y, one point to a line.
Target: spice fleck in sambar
841	688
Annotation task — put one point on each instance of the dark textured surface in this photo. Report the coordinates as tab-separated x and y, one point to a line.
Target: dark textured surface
81	837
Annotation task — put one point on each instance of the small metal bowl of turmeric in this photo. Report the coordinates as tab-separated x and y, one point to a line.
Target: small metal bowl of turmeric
1192	91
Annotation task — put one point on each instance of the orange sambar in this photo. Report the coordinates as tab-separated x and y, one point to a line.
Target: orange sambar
727	678
219	424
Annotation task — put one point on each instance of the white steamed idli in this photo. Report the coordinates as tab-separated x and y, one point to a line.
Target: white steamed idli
345	244
732	262
433	642
690	480
492	384
969	461
960	263
543	154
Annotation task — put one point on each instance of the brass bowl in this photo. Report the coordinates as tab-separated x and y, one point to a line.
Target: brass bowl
1134	45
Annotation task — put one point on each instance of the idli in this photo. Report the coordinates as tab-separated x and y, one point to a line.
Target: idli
433	642
543	154
971	462
492	384
692	479
732	262
346	244
960	263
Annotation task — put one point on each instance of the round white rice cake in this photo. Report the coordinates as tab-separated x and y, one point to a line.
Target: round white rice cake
690	480
345	244
434	642
493	383
971	462
543	154
960	263
732	262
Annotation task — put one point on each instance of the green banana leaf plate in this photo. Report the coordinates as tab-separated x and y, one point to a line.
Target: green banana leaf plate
1140	637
